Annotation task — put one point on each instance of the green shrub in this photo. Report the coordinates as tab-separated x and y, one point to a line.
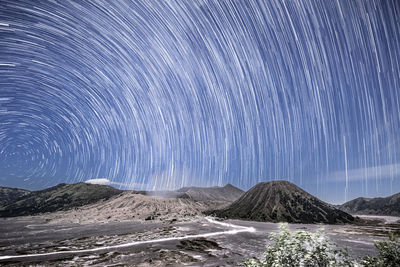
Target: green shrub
300	248
388	254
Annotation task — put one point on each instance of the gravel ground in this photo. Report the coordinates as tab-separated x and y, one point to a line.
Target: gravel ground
34	234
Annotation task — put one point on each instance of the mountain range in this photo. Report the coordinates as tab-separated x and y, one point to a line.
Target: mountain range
274	201
373	206
65	197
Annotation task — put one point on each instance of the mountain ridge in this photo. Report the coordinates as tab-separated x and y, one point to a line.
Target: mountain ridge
373	206
60	197
8	194
227	193
64	197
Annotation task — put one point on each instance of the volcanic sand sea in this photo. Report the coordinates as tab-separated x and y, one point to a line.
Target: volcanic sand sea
103	243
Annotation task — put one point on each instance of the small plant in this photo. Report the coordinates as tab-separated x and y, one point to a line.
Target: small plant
388	253
301	248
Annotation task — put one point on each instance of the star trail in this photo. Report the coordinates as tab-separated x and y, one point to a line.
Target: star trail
165	94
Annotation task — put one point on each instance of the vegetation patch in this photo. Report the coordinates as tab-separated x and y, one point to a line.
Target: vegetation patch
302	248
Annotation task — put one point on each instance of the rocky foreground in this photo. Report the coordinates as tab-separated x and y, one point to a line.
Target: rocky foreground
32	235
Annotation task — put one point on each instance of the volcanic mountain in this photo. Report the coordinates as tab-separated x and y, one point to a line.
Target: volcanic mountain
182	204
282	201
91	198
132	206
216	195
228	193
8	194
373	206
60	197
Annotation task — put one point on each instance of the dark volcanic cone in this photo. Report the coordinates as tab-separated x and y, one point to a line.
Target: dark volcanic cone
282	201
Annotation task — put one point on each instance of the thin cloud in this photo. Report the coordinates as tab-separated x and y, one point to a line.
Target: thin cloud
105	181
382	171
102	181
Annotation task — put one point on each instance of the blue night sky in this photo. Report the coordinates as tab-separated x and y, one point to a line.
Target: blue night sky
165	94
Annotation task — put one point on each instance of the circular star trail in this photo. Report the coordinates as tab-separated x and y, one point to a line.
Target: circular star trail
164	94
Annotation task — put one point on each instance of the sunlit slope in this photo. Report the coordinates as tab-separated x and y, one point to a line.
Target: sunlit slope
132	206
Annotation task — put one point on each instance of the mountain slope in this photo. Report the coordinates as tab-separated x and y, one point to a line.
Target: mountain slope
228	193
373	206
8	194
132	206
60	197
282	201
214	197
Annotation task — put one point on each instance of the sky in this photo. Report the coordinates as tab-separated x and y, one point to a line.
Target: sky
165	94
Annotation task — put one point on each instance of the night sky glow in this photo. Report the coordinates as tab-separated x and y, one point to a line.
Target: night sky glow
164	94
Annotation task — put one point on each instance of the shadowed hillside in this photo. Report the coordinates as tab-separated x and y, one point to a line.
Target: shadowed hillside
373	206
8	194
60	197
282	201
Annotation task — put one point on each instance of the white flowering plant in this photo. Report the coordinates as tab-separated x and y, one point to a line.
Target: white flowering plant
301	248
